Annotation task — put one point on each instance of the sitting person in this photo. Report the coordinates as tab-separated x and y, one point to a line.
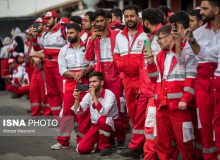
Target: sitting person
104	116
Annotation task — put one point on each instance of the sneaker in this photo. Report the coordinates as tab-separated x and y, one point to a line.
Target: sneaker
59	146
105	152
128	152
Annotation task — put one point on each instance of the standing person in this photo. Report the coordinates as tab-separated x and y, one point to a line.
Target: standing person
104	116
128	56
174	91
152	21
206	37
38	97
195	19
74	67
87	26
100	48
52	41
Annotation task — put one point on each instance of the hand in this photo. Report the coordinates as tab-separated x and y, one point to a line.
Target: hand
95	34
76	94
189	35
182	105
148	57
92	91
78	76
36	60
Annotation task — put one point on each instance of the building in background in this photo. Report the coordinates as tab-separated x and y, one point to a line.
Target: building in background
22	12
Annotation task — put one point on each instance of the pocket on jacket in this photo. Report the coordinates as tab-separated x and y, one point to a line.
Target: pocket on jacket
188	131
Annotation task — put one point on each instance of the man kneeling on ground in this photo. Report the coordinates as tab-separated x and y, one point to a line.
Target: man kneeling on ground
104	116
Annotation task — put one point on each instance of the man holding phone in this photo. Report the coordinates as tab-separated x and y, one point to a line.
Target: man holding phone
100	48
104	116
74	67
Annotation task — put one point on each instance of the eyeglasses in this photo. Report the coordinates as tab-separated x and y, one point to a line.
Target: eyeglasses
159	38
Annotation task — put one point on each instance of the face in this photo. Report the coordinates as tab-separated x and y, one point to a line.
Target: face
86	23
95	82
115	18
40	27
194	23
164	40
72	35
207	11
131	18
50	22
20	59
100	23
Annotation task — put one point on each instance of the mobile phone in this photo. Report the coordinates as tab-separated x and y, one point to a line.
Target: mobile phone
35	26
147	45
82	87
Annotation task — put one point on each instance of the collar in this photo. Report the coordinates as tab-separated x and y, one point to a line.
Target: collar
56	28
208	26
81	44
102	94
155	30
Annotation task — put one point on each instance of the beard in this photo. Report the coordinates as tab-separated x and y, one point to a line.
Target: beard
135	23
209	18
52	25
72	40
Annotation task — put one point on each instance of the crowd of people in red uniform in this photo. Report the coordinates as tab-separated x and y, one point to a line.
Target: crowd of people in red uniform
153	72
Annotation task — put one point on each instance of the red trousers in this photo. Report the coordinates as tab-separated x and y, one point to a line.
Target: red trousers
136	105
68	116
98	134
54	88
38	99
174	124
150	127
216	90
117	88
205	104
4	67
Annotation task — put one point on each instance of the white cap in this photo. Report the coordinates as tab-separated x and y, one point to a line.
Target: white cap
6	41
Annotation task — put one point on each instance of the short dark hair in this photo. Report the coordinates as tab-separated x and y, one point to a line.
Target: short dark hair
76	19
75	26
131	7
96	74
100	12
117	12
196	13
166	29
181	17
214	2
165	10
90	14
108	14
153	15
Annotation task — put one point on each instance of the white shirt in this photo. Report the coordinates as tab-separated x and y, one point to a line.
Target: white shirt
108	103
167	64
105	50
72	59
4	52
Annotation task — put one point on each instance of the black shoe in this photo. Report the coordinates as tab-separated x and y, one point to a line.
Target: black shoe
128	152
105	152
16	95
120	145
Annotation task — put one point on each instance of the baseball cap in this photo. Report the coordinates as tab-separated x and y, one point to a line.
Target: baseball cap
50	14
64	20
40	20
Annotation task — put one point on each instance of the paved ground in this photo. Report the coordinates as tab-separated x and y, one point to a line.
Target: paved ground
37	148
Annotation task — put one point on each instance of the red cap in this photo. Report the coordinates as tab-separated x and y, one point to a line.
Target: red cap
64	20
50	14
40	20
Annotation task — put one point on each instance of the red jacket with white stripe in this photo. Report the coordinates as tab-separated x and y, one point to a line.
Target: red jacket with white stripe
179	83
52	41
103	63
128	56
